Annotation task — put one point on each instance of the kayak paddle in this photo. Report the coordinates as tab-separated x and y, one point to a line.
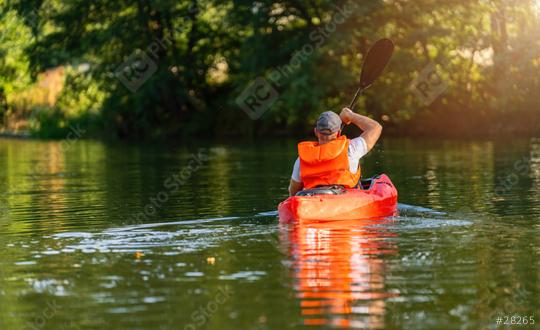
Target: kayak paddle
376	60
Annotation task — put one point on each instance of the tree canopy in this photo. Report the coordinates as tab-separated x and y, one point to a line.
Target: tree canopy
162	68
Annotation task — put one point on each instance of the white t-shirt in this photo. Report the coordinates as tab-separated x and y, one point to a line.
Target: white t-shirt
357	149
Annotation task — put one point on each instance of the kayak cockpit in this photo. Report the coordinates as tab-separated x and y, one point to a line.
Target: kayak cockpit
323	190
336	189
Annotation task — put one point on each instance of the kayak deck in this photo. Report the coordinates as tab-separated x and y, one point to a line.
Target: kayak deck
377	201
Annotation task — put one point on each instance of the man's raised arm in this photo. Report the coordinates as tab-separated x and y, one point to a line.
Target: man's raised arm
371	129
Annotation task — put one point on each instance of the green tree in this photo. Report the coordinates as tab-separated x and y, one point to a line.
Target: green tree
15	37
177	68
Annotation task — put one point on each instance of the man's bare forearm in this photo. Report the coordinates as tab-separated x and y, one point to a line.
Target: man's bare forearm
372	129
363	122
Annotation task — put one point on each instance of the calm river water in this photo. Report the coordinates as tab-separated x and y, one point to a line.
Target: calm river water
116	236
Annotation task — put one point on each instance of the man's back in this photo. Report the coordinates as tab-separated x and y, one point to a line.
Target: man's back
328	129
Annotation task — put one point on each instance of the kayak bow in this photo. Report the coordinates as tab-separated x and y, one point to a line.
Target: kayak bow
376	199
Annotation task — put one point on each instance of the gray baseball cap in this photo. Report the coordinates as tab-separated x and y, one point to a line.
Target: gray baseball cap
329	123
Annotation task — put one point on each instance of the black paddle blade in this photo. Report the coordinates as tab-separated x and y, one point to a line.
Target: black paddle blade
376	60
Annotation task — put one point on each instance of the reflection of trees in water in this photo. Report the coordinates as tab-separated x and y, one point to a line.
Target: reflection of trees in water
535	163
340	274
3	105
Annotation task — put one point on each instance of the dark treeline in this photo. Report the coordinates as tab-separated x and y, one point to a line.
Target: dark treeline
163	68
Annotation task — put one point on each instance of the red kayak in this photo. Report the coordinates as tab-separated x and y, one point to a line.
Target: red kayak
377	198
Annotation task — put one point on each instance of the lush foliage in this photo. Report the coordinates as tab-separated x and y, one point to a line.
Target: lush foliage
177	68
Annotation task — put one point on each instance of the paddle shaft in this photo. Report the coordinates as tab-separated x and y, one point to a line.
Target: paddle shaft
356	96
353	103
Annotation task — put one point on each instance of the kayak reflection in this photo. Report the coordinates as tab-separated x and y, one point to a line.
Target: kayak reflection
340	272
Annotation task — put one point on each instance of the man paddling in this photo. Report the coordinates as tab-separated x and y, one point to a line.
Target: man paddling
334	159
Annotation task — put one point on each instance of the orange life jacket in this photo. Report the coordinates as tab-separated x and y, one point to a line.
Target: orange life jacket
327	164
